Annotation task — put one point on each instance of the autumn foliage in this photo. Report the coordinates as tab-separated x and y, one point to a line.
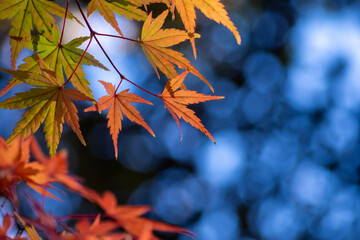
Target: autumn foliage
56	80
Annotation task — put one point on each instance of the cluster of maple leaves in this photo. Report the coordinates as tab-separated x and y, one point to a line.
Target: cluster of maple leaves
49	100
40	174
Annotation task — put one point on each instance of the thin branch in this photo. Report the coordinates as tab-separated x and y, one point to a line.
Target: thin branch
93	34
84	17
63	28
76	216
78	64
67	228
117	70
115	36
109	59
141	88
118	85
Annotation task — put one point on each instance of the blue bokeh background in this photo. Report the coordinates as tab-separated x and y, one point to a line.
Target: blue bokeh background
286	162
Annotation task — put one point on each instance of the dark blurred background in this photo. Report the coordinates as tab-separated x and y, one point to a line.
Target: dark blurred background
286	162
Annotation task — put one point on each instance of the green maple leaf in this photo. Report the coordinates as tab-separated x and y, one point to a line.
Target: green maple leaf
48	102
26	14
129	9
61	58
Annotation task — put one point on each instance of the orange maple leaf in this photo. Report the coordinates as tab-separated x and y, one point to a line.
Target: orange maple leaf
48	102
15	153
118	104
14	165
54	170
155	42
176	102
97	230
212	9
129	217
108	202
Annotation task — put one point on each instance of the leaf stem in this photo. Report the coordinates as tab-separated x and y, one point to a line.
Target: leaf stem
78	64
115	36
118	85
84	17
75	216
63	28
117	70
93	34
141	88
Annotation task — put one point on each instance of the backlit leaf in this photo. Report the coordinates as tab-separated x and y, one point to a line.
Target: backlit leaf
48	104
212	9
119	104
25	14
129	217
155	42
128	9
176	102
215	10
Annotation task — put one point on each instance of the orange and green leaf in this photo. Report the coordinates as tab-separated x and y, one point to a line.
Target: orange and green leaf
61	58
49	103
25	15
129	9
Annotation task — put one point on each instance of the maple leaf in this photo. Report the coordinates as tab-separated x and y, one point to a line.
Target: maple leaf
143	228
108	202
129	217
118	104
14	154
176	102
155	41
97	230
215	10
62	58
55	170
212	9
14	166
50	103
26	14
187	13
128	9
